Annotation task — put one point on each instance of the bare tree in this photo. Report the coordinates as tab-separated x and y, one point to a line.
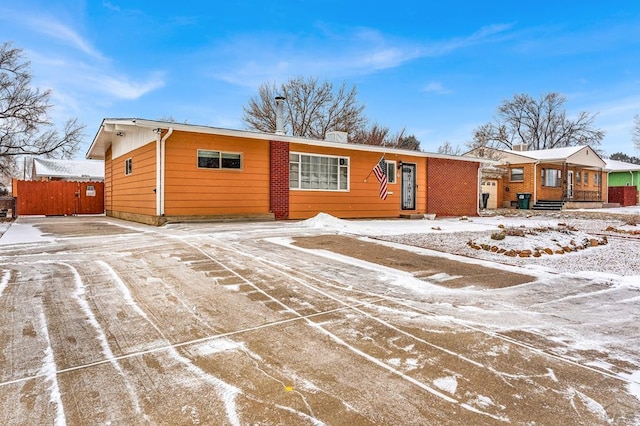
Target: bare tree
25	127
311	109
538	124
636	131
448	149
373	135
381	136
409	142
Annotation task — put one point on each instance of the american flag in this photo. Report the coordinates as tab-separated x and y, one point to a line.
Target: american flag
380	170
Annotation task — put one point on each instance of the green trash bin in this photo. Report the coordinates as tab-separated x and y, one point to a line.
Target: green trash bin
523	200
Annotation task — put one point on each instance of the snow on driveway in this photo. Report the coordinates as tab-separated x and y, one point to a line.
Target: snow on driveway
232	323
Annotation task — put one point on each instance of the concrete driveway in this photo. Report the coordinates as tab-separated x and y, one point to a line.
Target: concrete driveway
110	322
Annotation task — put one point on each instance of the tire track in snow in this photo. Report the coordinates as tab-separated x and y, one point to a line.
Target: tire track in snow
226	392
79	296
331	335
282	267
50	373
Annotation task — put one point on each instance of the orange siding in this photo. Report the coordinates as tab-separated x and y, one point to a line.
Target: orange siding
362	200
134	193
193	191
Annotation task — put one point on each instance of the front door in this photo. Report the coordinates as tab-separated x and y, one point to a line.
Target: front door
570	184
408	186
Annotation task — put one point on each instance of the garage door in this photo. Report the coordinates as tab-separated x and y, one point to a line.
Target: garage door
490	186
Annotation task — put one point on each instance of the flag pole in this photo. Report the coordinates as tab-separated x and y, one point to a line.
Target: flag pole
365	179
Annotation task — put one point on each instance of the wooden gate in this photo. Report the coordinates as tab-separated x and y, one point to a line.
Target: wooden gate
57	198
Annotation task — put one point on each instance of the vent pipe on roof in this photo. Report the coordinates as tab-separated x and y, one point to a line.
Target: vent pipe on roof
280	115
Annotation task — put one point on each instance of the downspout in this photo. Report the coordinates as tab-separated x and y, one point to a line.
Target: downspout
535	182
479	190
158	174
162	167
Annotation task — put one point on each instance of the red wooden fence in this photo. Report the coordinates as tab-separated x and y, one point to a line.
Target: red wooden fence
57	198
625	195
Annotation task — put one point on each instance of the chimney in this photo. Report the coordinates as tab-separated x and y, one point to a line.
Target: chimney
280	115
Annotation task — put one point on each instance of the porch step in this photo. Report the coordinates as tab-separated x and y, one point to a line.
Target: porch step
548	205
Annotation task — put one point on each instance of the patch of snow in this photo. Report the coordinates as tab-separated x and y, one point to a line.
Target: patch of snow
215	346
22	233
482	401
634	383
631	210
327	222
396	362
442	277
447	384
499	350
6	275
590	404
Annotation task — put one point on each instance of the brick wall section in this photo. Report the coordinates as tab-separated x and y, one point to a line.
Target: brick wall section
279	179
452	187
511	188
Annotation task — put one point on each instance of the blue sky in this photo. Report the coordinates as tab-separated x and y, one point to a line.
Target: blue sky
438	69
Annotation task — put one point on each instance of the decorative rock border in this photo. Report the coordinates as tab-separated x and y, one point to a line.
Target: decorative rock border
621	231
538	252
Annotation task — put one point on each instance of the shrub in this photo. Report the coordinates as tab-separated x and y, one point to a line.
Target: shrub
498	235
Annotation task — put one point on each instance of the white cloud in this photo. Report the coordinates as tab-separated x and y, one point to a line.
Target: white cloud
123	88
52	28
275	57
436	87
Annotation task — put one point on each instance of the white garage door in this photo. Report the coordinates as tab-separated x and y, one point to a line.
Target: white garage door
490	186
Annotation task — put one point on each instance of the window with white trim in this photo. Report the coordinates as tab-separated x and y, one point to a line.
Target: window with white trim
551	177
596	179
517	174
391	171
128	166
320	172
219	160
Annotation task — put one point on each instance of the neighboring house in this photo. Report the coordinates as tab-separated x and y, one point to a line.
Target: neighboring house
68	170
157	171
551	178
624	182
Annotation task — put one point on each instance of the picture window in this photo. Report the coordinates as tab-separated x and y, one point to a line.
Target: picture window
317	172
551	177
